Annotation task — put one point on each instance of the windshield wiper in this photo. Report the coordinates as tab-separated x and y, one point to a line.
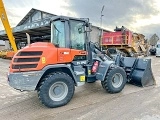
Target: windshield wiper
56	28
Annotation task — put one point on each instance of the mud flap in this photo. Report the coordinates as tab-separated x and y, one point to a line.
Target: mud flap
141	74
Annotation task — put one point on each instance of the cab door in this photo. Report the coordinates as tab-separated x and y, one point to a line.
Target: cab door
64	55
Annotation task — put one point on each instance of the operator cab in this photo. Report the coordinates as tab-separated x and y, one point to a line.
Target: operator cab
68	32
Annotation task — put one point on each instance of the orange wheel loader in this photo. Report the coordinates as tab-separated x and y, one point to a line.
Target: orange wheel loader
54	69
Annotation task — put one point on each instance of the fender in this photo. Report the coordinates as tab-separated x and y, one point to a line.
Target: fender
68	66
28	81
103	69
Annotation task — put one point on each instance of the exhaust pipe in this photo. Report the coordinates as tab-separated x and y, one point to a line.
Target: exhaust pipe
28	39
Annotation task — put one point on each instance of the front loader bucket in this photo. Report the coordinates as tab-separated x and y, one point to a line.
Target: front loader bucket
141	74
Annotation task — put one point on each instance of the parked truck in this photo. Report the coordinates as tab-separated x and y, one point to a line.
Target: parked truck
153	42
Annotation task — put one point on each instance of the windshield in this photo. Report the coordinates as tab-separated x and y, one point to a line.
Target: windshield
58	33
77	35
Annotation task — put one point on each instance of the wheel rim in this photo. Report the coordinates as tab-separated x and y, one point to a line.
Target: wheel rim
58	91
117	80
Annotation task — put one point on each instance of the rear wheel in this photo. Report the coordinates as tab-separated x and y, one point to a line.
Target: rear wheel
56	90
115	80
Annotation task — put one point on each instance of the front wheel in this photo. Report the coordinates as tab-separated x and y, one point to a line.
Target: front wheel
56	90
115	80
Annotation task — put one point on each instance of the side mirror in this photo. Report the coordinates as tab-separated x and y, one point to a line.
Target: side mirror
89	26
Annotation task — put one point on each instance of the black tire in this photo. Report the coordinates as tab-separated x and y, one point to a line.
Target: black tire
56	90
109	83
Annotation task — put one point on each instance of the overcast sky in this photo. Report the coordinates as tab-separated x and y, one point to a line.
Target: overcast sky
142	16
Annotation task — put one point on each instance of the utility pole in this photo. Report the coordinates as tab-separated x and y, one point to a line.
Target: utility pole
101	15
101	27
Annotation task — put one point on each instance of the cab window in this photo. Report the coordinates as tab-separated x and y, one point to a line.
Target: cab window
77	35
58	33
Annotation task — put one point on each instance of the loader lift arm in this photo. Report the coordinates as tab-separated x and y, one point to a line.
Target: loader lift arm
6	25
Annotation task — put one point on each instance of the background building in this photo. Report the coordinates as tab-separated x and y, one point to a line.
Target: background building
37	24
